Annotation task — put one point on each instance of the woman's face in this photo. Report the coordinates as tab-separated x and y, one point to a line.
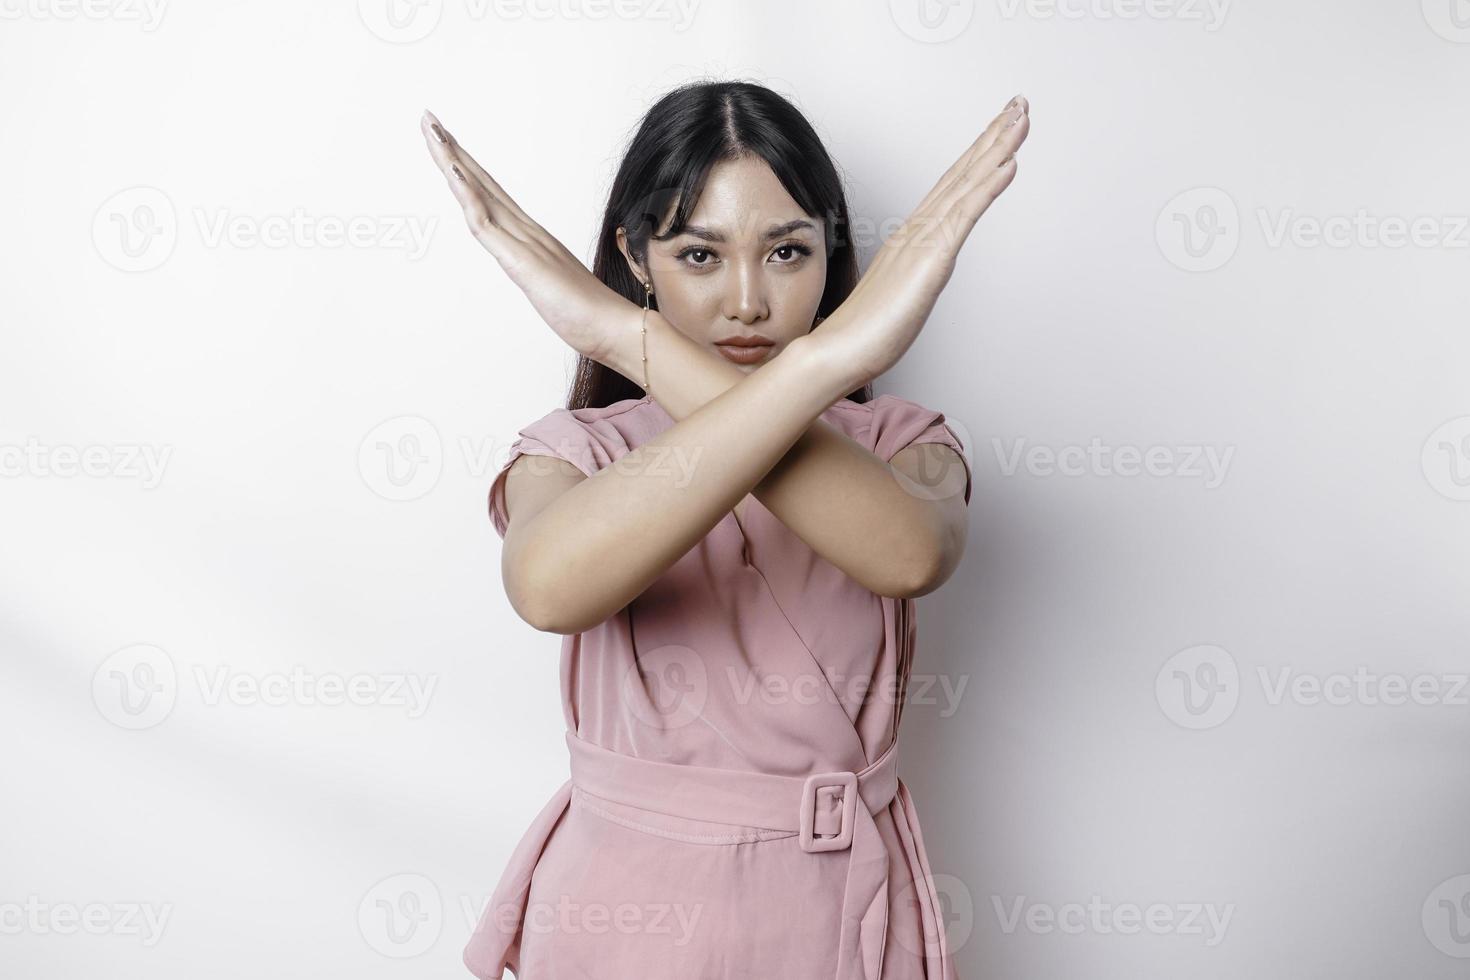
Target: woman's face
750	266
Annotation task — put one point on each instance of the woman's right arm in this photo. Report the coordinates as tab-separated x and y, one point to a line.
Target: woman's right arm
578	549
583	548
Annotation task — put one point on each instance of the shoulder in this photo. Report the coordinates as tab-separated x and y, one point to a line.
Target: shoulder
589	418
628	407
887	423
589	438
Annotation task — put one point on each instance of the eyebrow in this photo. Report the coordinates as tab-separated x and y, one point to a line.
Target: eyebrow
775	231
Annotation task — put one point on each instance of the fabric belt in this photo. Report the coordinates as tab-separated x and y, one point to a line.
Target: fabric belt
821	809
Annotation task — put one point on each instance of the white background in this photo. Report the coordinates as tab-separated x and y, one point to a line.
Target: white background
1130	288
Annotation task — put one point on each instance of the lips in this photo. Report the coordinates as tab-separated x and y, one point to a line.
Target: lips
754	340
747	351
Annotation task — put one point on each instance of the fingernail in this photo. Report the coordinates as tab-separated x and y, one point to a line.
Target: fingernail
454	168
438	132
1005	161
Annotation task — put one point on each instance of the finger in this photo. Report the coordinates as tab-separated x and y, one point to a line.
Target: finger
473	200
981	171
503	209
952	216
522	225
1013	127
465	157
983	194
466	186
1006	118
983	142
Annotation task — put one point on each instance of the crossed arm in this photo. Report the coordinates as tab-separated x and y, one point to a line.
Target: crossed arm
577	549
838	497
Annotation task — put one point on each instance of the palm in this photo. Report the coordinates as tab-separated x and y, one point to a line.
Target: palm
887	309
578	306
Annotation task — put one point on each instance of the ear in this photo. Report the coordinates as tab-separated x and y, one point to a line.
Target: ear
628	256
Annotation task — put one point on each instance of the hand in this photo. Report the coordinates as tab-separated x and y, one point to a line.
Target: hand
576	304
871	330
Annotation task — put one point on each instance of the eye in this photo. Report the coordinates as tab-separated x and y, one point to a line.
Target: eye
684	255
802	252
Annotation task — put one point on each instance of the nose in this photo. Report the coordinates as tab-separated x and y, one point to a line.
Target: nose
745	294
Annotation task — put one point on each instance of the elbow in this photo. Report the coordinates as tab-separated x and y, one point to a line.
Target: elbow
541	601
544	617
925	579
930	569
540	609
906	579
533	601
930	584
541	620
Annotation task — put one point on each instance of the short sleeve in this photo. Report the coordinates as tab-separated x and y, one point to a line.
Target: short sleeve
560	434
898	423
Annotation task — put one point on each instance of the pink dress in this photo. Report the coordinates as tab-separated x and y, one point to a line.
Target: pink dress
734	809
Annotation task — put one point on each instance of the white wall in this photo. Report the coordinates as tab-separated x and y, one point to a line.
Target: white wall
1330	382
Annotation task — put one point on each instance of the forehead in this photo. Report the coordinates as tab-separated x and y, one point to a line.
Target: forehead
742	197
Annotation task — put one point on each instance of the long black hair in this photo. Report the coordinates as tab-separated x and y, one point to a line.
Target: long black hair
678	142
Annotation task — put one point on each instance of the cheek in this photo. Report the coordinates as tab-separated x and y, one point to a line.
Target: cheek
689	294
689	306
800	292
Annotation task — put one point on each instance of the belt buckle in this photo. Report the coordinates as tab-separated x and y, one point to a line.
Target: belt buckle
806	835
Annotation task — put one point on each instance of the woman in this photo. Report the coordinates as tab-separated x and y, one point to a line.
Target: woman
729	532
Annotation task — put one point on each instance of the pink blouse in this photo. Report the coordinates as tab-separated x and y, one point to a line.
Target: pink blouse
693	841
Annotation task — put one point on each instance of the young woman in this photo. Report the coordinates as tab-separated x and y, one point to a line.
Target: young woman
729	532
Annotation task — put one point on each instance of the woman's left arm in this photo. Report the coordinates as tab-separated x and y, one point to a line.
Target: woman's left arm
895	529
899	531
889	527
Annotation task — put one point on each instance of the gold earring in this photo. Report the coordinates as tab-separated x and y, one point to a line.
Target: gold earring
647	299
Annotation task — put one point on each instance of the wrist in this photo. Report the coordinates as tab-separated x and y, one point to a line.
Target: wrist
622	348
821	365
